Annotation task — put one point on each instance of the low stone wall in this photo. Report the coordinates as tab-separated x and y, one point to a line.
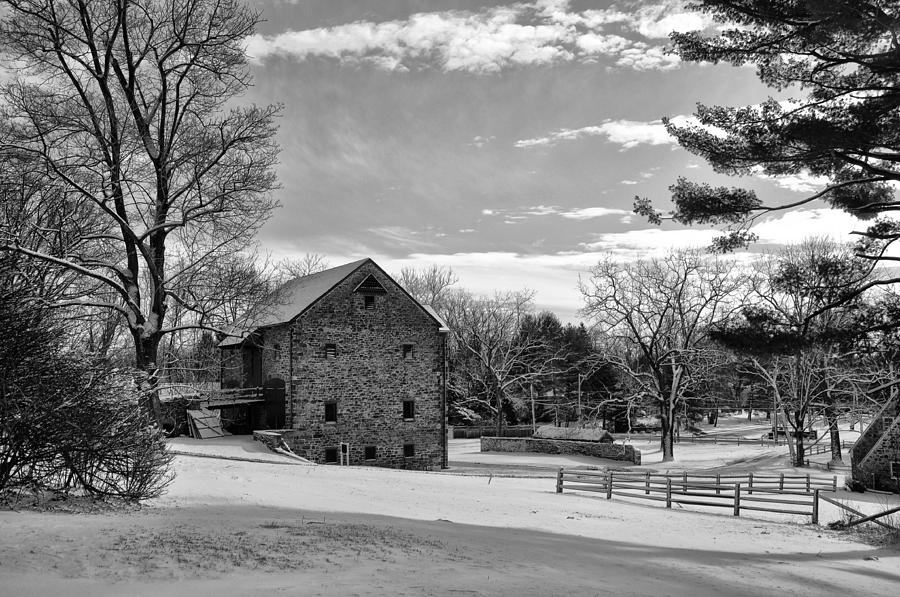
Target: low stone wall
270	439
560	446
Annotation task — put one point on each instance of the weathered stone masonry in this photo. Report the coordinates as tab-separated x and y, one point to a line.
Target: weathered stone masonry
609	451
367	376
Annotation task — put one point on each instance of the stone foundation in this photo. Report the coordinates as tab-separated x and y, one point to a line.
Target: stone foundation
558	446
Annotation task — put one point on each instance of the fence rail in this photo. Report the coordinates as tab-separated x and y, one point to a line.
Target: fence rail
705	439
785	494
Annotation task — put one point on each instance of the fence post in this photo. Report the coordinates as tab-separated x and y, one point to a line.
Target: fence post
559	479
684	482
807	482
781	482
718	482
815	512
834	483
750	491
668	492
647	484
737	499
609	482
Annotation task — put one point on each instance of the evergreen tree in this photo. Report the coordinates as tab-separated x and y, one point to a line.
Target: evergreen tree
844	55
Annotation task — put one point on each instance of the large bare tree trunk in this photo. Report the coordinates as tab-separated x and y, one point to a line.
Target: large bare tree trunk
833	433
667	441
667	418
147	349
800	453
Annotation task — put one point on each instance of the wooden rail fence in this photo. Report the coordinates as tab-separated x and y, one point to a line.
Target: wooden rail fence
785	494
704	439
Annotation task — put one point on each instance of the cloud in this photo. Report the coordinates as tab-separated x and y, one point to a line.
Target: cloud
650	241
479	141
644	57
627	133
659	20
402	236
794	226
584	213
790	227
536	33
798	183
588	213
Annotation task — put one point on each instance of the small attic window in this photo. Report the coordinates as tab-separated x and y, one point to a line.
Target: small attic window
369	302
330	351
370	286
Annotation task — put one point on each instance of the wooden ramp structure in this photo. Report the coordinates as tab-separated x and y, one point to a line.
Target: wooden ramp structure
205	423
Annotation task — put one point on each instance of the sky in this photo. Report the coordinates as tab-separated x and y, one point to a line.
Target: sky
506	140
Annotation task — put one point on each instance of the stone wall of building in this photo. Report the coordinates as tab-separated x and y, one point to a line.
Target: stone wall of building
367	378
560	446
878	447
876	473
274	346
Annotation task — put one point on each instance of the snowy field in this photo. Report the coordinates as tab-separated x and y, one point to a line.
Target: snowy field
241	527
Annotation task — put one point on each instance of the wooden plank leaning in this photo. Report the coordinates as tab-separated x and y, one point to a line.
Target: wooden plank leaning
854	511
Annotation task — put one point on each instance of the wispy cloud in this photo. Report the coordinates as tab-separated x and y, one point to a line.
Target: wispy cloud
582	213
588	213
627	133
798	183
479	141
533	33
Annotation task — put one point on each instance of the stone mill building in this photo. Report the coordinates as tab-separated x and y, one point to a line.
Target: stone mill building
362	364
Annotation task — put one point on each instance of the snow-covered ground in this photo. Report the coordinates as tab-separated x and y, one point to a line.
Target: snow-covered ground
233	527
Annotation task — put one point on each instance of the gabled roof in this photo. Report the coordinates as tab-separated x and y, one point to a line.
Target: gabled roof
444	327
298	295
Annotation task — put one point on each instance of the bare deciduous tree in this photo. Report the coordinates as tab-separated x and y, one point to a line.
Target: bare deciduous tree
127	108
428	285
310	263
657	314
493	357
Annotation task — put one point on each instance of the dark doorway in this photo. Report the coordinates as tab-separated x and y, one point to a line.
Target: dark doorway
273	392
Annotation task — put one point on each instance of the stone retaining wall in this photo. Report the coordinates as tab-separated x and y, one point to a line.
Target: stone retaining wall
270	439
559	446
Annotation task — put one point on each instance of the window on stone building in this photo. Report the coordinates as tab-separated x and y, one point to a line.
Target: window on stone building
408	351
330	351
409	409
369	453
369	302
331	412
409	450
331	455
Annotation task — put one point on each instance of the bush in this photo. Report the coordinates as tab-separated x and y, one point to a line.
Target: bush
69	423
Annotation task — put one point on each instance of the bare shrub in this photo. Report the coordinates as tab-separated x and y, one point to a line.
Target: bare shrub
68	422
